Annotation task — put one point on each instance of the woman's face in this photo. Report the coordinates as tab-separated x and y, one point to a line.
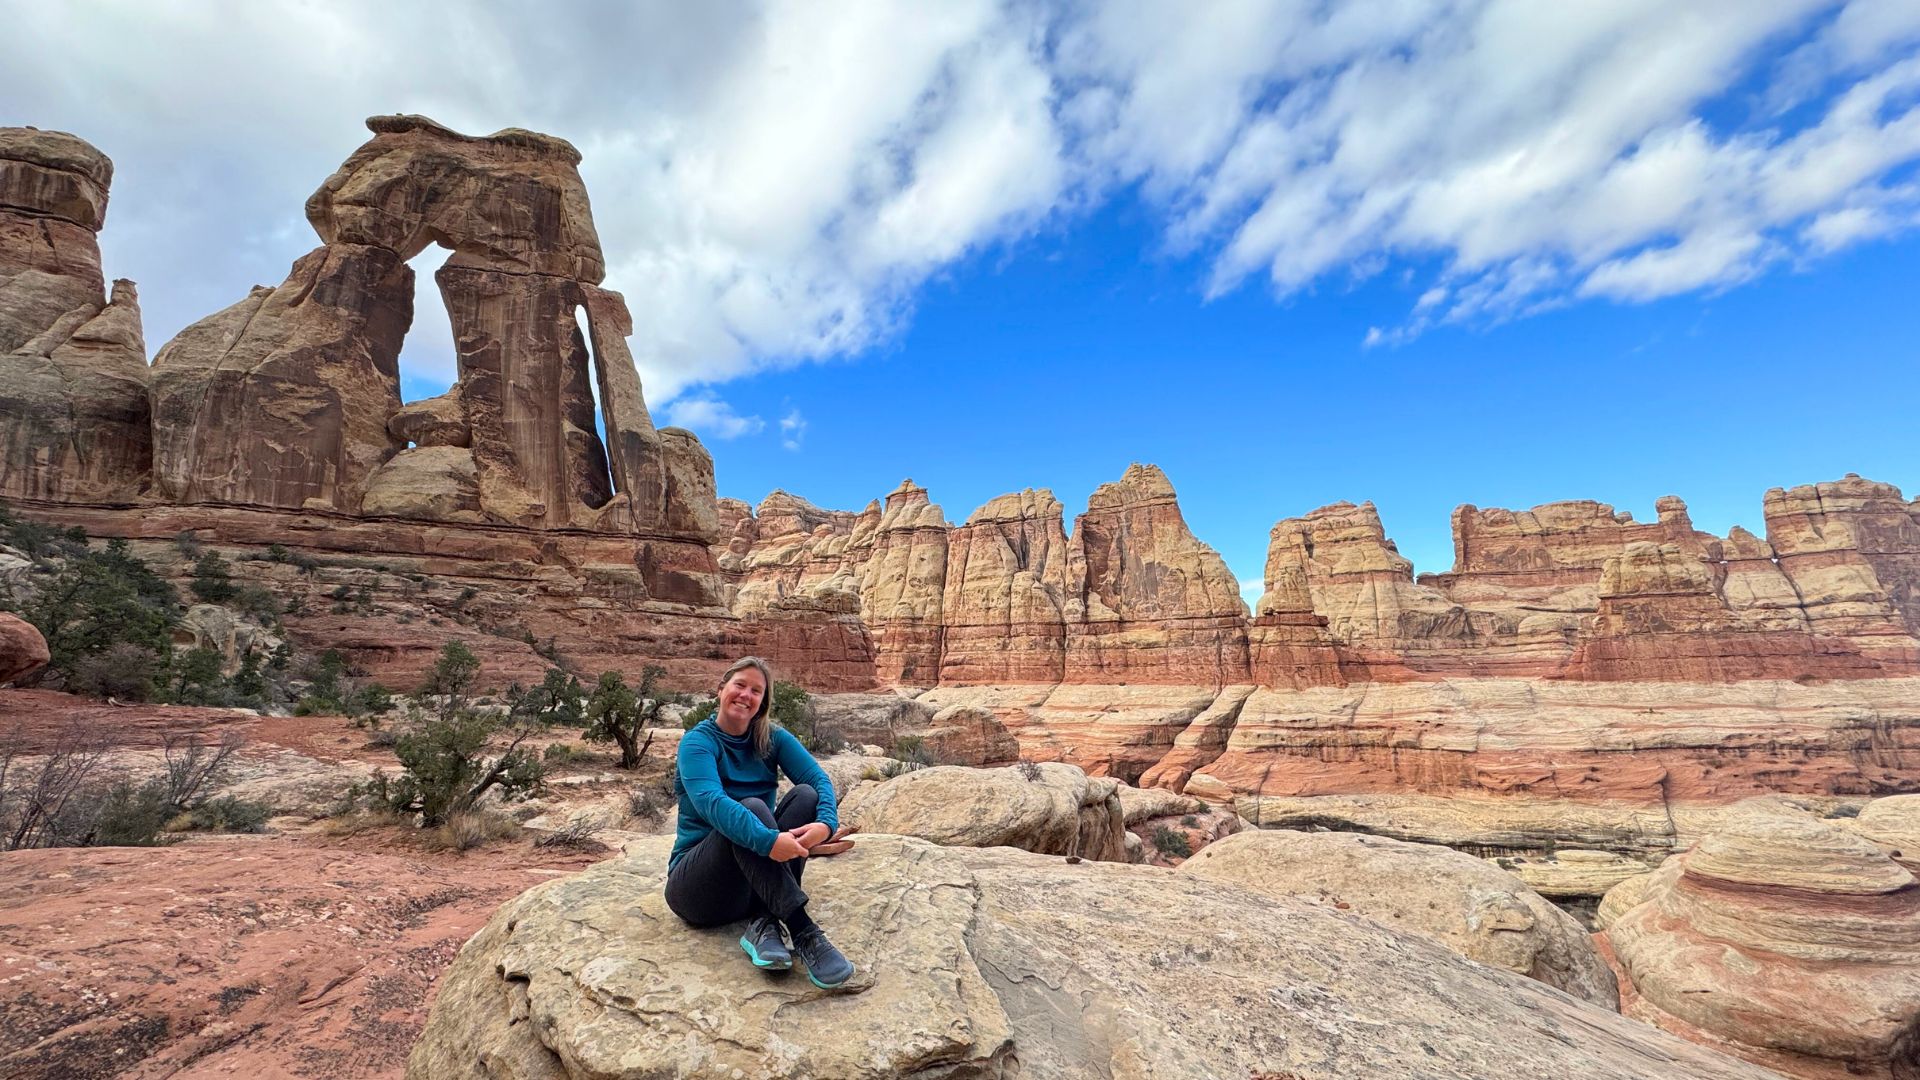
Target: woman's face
740	697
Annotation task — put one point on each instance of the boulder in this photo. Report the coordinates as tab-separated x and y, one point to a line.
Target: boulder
1622	898
1773	911
1464	903
1893	823
1060	811
22	650
1140	804
997	963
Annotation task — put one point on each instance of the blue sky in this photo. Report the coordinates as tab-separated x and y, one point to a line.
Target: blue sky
1423	252
1058	362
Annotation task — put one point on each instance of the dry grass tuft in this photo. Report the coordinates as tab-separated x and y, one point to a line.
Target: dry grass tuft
475	828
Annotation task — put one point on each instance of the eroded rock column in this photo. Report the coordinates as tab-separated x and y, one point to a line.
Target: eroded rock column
73	362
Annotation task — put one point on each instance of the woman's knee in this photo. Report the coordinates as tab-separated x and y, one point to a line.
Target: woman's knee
758	808
799	806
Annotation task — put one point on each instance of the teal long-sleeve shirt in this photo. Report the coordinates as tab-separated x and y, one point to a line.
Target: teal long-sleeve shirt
717	770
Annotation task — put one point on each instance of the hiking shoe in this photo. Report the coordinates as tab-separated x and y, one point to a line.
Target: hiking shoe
826	966
764	945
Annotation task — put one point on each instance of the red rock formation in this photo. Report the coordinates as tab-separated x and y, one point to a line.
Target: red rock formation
73	372
1150	602
282	399
1773	911
1661	618
1004	613
1852	551
902	583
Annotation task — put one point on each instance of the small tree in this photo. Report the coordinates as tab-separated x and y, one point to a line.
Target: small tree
793	709
100	600
455	757
619	715
213	579
453	674
197	679
555	701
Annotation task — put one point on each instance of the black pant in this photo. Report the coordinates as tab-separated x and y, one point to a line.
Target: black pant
718	881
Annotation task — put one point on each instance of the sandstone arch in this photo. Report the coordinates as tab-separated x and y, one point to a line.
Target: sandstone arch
291	398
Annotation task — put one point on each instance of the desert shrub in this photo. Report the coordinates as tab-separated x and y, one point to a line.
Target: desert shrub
470	829
132	815
99	600
123	670
1172	843
38	540
43	806
213	579
67	802
912	748
1190	821
453	674
277	553
793	709
650	802
187	543
576	833
257	603
332	692
197	679
450	759
557	700
230	815
561	754
698	713
888	768
1029	771
621	715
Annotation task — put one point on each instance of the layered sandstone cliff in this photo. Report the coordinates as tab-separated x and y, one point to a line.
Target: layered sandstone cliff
73	363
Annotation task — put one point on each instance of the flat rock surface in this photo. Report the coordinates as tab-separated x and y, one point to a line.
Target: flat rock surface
999	963
1466	904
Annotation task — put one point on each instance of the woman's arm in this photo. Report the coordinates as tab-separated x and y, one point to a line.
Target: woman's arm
700	776
802	769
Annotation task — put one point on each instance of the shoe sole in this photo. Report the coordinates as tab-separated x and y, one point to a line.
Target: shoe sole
830	985
753	954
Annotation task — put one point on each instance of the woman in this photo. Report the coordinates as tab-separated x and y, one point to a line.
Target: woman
736	856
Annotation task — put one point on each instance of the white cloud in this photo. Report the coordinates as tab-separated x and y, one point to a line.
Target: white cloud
1251	591
774	181
793	430
705	413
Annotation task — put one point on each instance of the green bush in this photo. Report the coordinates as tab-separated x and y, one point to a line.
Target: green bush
197	679
793	710
912	749
229	815
446	757
1172	843
99	600
698	713
453	674
38	540
557	700
620	715
213	579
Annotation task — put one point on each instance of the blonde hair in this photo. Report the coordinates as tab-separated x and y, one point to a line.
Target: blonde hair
760	728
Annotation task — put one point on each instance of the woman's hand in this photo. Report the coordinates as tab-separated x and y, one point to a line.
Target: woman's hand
786	846
840	841
810	835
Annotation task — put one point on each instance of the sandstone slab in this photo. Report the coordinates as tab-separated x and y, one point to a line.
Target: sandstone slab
997	963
